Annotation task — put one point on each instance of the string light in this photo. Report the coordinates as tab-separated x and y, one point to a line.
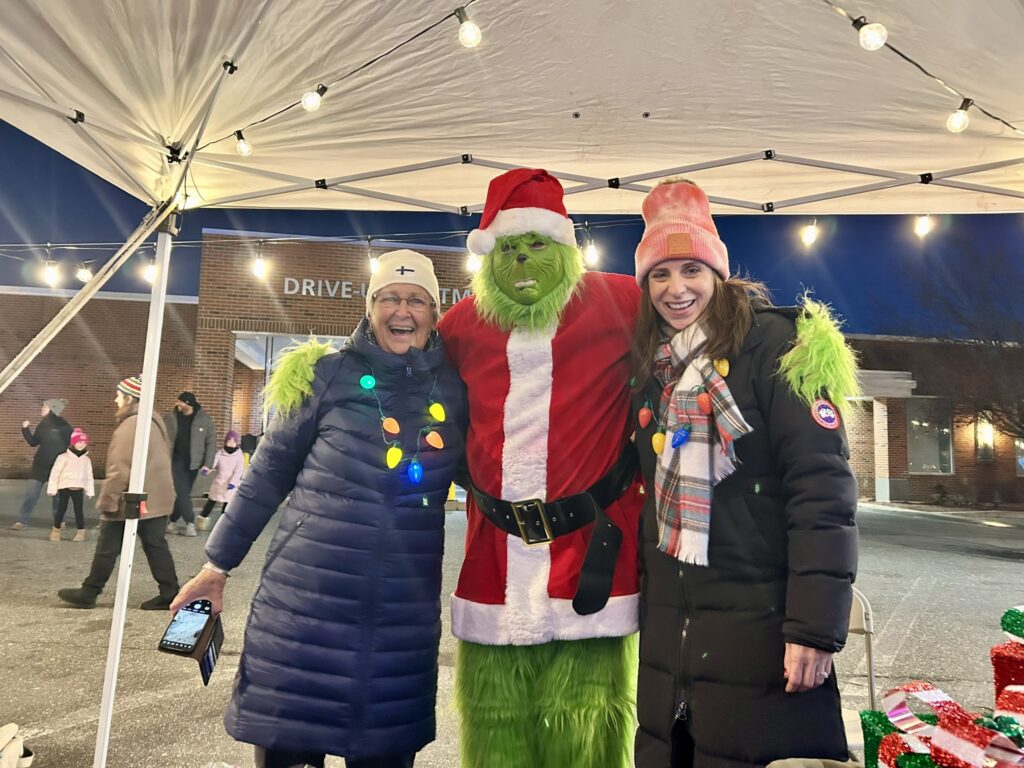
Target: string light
51	273
149	272
84	273
958	121
872	36
473	263
469	33
590	252
259	266
311	99
242	146
374	261
923	225
809	233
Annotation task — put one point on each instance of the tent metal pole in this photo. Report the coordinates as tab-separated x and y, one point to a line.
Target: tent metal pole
844	192
345	189
966	185
720	163
978	168
862	170
136	481
69	310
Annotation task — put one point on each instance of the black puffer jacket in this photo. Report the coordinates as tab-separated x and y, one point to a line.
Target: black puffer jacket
782	553
50	440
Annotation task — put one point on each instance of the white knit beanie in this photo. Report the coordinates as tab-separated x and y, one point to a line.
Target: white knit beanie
403	266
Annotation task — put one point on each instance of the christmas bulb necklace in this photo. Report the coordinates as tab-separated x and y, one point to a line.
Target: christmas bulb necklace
390	429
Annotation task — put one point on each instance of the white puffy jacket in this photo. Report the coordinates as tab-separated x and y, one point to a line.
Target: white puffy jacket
71	471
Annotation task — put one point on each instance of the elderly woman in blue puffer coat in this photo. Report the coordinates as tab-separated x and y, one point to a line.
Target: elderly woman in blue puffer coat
340	652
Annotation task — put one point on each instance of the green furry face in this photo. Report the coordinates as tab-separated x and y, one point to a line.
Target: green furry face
526	280
527	267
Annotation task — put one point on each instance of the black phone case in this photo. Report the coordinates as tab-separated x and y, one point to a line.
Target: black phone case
202	642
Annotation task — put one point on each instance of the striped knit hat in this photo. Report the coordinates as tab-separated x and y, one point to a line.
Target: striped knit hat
131	386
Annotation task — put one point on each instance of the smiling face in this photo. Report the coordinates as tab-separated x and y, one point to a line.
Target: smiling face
527	267
680	289
402	317
80	445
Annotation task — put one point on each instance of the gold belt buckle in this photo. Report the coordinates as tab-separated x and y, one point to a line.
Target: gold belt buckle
528	537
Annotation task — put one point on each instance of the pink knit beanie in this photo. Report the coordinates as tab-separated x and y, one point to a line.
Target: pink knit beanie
679	226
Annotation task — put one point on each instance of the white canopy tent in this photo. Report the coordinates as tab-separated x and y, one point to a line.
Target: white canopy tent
770	106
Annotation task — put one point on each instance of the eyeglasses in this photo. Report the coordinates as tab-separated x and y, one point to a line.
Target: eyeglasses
414	303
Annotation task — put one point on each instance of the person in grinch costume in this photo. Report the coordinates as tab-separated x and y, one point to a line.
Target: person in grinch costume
546	607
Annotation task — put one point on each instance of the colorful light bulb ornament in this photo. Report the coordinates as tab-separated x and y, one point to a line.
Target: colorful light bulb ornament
658	442
644	416
436	411
434	440
680	437
393	456
704	403
390	425
415	472
367	382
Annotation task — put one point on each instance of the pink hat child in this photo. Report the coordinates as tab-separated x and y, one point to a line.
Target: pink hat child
78	436
679	226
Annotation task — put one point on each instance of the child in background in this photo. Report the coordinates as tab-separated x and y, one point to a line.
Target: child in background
229	464
70	478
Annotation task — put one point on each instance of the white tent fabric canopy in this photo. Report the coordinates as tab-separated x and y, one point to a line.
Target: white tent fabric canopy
718	80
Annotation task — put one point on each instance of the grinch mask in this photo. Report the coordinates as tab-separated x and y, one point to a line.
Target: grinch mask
526	280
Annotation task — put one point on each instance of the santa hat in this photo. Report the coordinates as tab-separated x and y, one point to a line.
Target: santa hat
679	226
403	266
132	386
78	436
519	201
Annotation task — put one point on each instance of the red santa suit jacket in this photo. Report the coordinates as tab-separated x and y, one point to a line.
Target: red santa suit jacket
548	416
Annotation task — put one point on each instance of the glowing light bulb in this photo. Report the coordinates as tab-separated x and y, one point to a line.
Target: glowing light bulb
242	146
374	265
436	411
390	425
473	263
809	234
434	440
591	255
958	121
393	456
644	416
367	381
149	272
469	33
311	99
259	267
680	437
873	36
923	225
51	273
84	274
415	472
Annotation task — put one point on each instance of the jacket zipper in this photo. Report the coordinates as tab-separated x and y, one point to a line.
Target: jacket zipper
681	703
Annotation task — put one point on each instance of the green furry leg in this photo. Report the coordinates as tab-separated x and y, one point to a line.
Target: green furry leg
564	704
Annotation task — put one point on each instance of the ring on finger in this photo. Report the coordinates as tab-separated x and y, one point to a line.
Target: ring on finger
821	675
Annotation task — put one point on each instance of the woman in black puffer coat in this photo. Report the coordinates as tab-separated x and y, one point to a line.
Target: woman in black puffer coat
340	653
50	440
748	540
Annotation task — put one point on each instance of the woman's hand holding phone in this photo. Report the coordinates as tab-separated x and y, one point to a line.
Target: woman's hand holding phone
205	585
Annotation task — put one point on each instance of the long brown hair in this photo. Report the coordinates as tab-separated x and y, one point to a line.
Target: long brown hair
726	320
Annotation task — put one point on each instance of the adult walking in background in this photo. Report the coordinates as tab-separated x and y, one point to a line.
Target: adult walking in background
159	500
194	443
748	539
50	439
340	653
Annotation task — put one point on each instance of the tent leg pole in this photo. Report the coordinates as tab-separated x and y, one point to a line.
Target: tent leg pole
136	481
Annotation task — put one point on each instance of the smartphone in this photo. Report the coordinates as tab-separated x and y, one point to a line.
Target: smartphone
185	628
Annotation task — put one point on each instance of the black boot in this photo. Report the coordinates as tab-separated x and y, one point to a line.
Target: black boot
78	598
158	603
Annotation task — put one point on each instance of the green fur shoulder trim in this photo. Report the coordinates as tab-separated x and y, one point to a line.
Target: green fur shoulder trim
292	379
820	361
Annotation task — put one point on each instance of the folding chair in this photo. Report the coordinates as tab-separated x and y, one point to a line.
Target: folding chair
862	623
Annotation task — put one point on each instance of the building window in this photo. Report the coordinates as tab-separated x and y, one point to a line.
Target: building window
929	436
1018	445
984	441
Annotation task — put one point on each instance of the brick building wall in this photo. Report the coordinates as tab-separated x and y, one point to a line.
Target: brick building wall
103	344
247	401
311	287
861	433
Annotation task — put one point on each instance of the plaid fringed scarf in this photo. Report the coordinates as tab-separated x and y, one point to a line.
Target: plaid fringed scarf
685	476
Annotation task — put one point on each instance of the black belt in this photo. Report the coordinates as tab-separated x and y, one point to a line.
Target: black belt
536	521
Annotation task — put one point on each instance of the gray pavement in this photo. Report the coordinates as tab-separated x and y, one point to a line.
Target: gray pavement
938	585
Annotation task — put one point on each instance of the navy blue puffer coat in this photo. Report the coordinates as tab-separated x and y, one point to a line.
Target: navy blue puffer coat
340	652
